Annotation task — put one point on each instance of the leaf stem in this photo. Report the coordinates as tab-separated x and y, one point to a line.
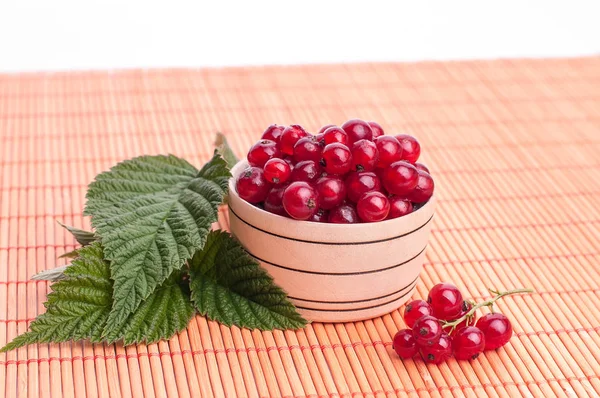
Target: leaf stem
488	303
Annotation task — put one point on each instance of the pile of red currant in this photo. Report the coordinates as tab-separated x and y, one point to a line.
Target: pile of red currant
348	174
446	325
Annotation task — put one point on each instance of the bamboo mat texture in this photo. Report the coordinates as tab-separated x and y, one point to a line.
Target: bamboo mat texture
514	147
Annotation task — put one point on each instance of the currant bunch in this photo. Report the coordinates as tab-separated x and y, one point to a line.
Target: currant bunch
350	173
446	325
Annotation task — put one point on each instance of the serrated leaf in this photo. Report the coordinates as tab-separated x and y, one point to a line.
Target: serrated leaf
229	286
166	311
53	274
78	306
83	237
152	213
225	150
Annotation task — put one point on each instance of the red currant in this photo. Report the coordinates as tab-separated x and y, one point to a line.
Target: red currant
372	207
427	330
320	216
466	307
274	201
357	130
496	328
404	344
307	170
289	137
414	310
389	150
399	207
335	134
377	129
337	158
344	214
358	184
300	200
446	301
410	147
307	148
400	178
439	351
424	189
290	160
468	343
262	151
252	186
273	132
364	155
277	171
322	129
332	191
422	167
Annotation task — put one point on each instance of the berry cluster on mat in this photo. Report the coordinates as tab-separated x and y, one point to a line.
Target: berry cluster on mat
446	325
348	174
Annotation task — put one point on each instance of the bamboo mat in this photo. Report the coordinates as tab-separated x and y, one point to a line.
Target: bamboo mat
514	146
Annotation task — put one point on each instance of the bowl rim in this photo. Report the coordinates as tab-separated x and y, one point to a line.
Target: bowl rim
357	228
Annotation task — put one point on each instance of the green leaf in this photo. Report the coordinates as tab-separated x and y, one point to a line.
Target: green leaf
225	150
78	306
229	286
84	238
166	311
152	213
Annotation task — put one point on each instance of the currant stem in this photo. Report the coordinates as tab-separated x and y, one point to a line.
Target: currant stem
488	303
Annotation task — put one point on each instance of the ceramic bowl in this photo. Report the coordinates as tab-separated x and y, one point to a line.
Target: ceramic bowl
335	272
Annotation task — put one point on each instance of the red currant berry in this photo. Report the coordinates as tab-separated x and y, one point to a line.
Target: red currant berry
322	129
389	150
399	207
422	167
320	139
414	310
358	184
290	160
357	130
306	170
252	185
364	155
438	352
404	344
335	134
273	132
466	307
289	137
377	129
344	214
400	178
468	343
274	201
410	147
320	216
277	171
300	200
427	330
446	301
424	189
337	159
497	330
262	151
307	148
372	207
332	192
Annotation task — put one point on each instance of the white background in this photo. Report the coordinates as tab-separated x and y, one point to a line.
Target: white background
78	34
